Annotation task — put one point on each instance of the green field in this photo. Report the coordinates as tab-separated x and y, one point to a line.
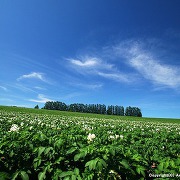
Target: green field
46	144
65	113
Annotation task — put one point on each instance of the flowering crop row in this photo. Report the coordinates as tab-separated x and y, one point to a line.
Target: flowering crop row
44	146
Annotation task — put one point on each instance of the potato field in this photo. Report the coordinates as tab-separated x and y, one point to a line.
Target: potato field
40	144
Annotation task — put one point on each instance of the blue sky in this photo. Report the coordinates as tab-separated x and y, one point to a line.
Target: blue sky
110	52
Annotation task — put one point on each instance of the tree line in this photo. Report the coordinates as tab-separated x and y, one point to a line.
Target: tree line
94	108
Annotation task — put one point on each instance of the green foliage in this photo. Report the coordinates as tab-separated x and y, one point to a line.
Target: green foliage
133	111
93	108
115	110
36	107
42	145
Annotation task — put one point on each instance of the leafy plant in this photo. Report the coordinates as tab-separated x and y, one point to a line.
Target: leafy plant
58	146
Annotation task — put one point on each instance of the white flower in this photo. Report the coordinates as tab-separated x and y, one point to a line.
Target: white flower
117	136
112	172
121	136
109	132
14	127
111	137
91	137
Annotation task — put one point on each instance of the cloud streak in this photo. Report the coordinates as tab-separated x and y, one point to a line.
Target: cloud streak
87	62
130	61
119	77
39	88
156	72
3	88
148	66
91	62
40	99
33	75
98	67
88	86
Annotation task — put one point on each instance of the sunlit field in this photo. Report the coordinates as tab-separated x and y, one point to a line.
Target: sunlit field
42	144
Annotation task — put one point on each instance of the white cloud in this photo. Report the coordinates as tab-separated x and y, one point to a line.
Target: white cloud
39	88
41	99
149	67
153	70
88	86
23	88
94	86
158	73
33	75
115	76
96	66
4	88
89	62
138	58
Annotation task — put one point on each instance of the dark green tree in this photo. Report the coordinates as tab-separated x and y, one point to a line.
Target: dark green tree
133	111
36	107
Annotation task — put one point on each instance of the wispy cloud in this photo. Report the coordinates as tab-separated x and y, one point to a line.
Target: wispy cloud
89	62
3	88
23	88
85	62
33	75
99	67
70	96
39	88
156	72
92	86
128	62
115	76
40	99
148	66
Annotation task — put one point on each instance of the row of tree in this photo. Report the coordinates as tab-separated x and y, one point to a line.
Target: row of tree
94	108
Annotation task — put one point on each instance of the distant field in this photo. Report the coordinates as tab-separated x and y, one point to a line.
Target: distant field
46	144
65	113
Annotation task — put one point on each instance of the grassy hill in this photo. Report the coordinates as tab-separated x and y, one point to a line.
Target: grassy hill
47	144
100	116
